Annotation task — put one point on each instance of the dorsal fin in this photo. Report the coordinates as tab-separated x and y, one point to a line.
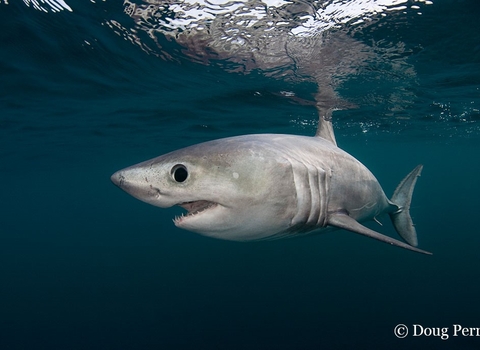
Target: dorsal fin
325	128
326	100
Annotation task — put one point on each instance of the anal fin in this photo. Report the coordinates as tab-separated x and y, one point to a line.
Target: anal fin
343	221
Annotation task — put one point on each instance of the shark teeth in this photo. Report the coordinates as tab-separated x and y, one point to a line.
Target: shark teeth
193	208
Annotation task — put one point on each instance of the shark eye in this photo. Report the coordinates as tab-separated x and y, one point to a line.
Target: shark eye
179	173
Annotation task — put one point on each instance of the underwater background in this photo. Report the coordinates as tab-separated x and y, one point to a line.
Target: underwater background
87	89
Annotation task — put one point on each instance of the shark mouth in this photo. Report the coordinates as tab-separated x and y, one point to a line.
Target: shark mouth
193	208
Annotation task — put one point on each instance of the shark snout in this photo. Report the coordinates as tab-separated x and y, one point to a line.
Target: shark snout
127	181
117	178
137	185
131	182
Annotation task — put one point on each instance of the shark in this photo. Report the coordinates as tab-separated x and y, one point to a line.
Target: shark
271	186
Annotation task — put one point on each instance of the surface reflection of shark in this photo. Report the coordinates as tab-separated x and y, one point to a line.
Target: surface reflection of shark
291	40
295	39
252	36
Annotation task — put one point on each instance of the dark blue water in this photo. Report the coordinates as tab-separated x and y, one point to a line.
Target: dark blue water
85	266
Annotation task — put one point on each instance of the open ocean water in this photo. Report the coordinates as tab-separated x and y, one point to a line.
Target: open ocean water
88	88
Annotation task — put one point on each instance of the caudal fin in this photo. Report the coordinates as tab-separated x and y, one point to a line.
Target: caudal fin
402	197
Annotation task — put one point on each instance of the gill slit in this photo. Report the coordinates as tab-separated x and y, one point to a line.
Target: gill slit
311	188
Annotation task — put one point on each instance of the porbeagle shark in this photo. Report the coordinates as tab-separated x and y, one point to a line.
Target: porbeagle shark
270	186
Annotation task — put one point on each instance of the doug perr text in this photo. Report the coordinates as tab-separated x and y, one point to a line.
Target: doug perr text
444	333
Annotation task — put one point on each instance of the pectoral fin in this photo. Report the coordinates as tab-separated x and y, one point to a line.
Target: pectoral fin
343	221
